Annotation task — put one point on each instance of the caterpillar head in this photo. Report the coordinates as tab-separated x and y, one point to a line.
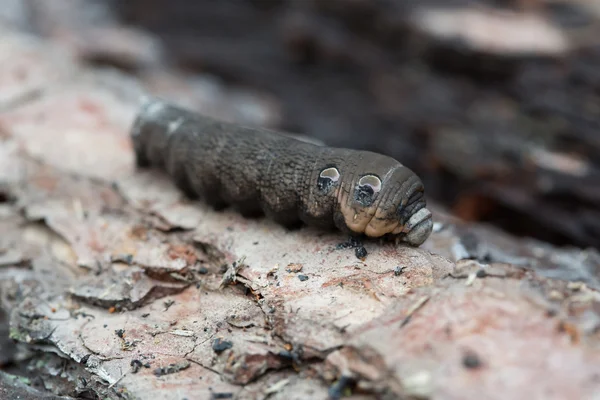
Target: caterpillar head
377	196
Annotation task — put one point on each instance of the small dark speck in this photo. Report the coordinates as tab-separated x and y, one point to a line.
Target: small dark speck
135	366
398	270
145	315
124	258
85	359
471	361
481	273
405	321
168	304
360	252
220	345
171	368
255	243
351	243
203	270
551	313
221	395
120	333
106	325
303	277
336	391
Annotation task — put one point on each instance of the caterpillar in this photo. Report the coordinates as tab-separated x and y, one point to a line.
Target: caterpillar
262	172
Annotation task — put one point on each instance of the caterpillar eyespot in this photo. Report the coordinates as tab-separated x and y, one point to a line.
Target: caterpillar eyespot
368	187
371	181
327	178
290	181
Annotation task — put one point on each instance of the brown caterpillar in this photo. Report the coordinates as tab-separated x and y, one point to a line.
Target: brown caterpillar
263	172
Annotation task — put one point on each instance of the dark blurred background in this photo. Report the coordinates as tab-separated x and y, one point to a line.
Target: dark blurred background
495	104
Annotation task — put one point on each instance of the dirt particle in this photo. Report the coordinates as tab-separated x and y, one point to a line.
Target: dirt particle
303	277
168	304
136	365
550	313
294	267
341	388
398	270
221	395
219	345
172	368
203	270
124	258
360	253
471	361
351	243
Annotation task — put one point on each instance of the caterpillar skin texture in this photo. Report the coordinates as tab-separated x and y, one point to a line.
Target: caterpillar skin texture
263	172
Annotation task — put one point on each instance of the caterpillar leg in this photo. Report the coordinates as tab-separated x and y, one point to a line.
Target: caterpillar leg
287	218
141	161
250	209
215	201
177	167
182	181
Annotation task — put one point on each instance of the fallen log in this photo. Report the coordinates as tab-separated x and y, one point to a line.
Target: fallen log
118	286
